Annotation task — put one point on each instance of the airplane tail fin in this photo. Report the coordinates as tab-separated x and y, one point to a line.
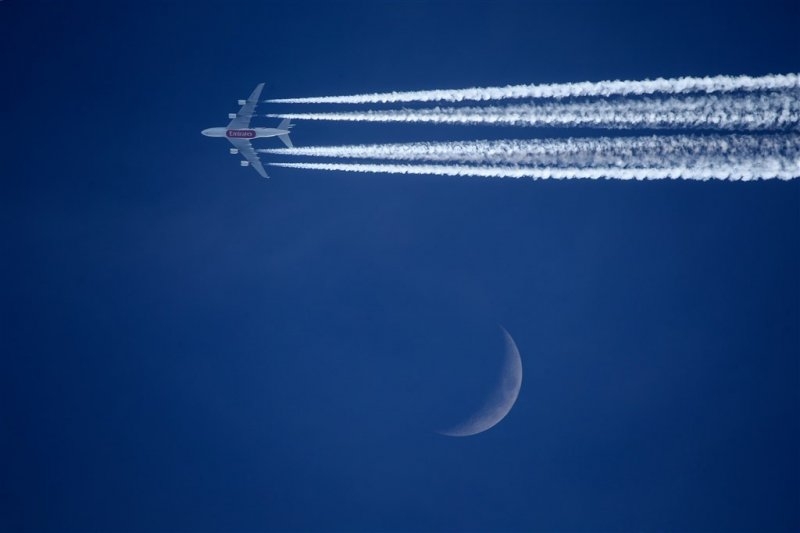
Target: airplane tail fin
286	124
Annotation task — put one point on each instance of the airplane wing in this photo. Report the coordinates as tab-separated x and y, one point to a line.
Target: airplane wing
246	149
242	120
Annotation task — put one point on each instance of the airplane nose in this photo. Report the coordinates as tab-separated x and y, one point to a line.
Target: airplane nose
205	132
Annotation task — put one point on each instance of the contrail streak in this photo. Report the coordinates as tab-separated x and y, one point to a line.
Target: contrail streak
780	151
727	112
714	84
723	172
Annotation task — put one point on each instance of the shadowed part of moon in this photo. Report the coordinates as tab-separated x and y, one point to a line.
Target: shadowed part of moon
500	401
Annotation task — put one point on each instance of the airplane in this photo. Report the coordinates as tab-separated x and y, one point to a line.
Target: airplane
239	132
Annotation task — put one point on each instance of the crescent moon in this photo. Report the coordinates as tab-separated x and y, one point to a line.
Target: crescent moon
500	401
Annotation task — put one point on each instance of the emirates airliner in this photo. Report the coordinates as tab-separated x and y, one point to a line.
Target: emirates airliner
239	132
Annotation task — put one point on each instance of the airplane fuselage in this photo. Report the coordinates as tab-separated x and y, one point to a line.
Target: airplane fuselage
248	133
239	132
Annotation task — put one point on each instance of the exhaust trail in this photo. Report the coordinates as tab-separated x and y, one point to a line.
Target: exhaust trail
768	111
685	85
780	151
723	172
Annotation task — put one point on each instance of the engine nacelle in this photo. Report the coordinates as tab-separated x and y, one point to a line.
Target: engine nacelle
244	163
234	151
242	102
231	115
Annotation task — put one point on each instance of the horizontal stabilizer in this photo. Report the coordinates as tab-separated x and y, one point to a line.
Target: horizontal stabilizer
286	140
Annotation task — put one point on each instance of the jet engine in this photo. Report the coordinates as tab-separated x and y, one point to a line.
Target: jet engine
244	163
242	102
234	151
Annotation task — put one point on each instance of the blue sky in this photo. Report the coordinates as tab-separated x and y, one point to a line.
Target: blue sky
188	347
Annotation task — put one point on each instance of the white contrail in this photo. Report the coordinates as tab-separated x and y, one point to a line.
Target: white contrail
751	112
775	151
722	172
714	84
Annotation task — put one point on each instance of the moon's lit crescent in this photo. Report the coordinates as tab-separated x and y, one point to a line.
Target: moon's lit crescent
500	401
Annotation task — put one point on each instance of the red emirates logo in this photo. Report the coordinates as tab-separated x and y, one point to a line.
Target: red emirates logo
241	134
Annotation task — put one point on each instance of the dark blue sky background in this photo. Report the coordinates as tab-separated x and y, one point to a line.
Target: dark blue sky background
188	347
